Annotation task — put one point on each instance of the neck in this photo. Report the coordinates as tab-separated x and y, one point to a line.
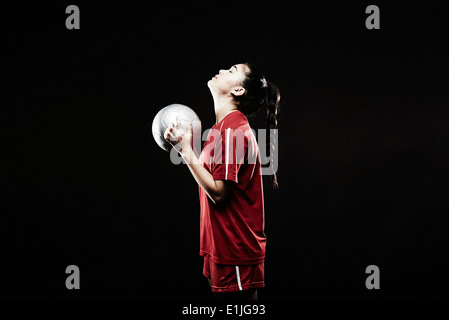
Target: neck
223	106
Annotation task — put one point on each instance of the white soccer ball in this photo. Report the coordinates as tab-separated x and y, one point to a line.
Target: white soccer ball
167	115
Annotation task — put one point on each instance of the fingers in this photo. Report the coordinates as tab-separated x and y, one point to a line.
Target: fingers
190	130
178	122
174	131
169	134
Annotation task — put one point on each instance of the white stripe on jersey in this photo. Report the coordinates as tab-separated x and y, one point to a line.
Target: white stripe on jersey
227	151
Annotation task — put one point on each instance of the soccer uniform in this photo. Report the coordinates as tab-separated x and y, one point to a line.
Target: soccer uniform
232	238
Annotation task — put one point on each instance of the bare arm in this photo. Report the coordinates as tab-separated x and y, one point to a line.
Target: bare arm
216	190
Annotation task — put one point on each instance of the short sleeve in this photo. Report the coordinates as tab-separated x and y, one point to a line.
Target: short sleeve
229	154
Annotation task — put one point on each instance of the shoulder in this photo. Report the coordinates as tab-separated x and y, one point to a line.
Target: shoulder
235	120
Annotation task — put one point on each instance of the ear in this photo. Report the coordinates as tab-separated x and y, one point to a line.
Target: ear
238	91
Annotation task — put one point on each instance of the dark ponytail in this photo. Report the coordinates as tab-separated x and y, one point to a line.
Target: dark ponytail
260	93
273	99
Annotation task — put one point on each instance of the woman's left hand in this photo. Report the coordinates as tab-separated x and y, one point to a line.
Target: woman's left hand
179	138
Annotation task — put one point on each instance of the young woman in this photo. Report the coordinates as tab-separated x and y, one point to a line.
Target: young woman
228	173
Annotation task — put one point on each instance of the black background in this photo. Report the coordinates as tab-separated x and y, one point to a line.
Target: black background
363	147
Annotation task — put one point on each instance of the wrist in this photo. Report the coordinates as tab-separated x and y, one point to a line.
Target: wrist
187	154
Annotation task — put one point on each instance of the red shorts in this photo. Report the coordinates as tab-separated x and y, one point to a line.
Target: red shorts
229	278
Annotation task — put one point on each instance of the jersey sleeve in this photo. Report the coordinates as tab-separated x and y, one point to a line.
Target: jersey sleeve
229	154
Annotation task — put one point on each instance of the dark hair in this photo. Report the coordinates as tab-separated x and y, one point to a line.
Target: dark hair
260	93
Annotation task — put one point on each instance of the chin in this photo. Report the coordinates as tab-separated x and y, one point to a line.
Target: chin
209	84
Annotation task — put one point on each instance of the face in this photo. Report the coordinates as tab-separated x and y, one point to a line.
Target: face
229	81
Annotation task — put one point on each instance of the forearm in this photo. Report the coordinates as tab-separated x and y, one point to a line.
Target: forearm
216	190
204	179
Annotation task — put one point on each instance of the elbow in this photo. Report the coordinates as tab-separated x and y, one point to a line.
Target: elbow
218	199
219	194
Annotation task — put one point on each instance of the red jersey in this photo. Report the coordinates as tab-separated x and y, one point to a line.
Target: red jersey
232	232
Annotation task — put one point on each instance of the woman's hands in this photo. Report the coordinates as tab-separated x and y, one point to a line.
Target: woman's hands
179	138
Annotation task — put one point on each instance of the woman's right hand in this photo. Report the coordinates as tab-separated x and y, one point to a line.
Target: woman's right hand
179	138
